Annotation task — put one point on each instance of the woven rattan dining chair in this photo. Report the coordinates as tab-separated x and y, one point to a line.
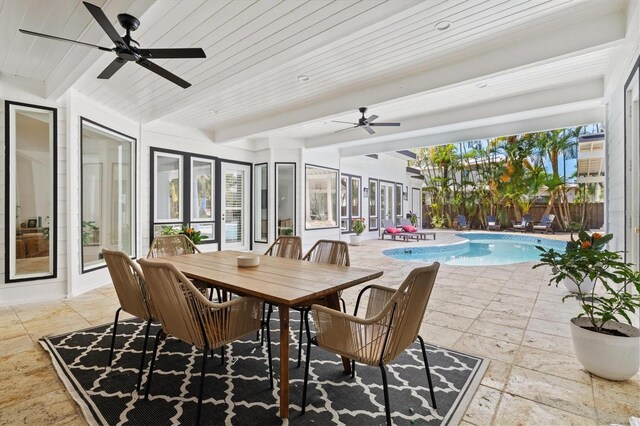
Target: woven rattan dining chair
286	247
176	245
392	323
133	295
333	252
186	314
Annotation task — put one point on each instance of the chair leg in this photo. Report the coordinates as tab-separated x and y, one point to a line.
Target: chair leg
269	352
113	337
153	363
202	376
353	368
222	355
302	313
344	305
385	388
144	353
306	367
426	365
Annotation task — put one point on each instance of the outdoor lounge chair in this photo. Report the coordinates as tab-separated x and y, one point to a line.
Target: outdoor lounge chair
391	324
524	225
420	232
546	224
492	223
462	222
390	228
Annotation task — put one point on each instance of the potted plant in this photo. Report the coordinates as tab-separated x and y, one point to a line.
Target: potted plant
192	234
605	340
358	229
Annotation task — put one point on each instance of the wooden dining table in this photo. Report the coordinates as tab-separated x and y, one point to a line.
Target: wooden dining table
282	282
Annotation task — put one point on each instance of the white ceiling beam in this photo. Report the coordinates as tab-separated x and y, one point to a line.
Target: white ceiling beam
528	48
550	118
568	94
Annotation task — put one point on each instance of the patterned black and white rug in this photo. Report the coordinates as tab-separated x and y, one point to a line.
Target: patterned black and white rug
238	393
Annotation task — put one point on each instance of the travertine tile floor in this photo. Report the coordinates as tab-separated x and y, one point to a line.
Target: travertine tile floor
507	314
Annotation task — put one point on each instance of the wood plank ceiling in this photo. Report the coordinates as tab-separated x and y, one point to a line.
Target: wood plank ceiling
257	49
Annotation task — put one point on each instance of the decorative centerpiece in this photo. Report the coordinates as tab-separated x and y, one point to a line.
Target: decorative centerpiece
358	228
605	340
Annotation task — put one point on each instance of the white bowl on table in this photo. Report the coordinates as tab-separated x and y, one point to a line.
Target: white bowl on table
248	261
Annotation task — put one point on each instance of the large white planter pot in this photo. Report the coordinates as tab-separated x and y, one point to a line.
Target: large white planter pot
610	357
356	240
585	287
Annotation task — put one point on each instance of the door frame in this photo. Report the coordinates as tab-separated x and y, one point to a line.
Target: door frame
220	188
418	213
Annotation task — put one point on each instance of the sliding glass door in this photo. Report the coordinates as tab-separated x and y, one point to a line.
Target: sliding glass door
235	206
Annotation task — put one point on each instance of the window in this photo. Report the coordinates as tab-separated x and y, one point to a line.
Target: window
183	193
108	185
349	201
285	198
398	206
261	202
31	192
321	197
373	204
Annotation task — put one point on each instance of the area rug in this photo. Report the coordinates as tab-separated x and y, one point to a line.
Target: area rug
237	393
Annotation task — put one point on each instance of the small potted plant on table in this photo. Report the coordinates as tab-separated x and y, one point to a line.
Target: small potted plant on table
358	229
605	339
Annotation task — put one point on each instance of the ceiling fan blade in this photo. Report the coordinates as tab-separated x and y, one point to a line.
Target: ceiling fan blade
345	122
163	73
33	33
373	117
368	129
384	124
104	22
342	130
112	68
173	53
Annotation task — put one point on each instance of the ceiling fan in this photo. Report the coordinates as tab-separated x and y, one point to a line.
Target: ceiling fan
365	123
127	49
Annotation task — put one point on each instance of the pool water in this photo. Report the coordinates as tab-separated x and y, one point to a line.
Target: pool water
493	249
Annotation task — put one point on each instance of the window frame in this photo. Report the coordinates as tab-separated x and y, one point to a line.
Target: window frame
134	186
185	187
337	200
276	195
8	181
349	198
258	190
377	203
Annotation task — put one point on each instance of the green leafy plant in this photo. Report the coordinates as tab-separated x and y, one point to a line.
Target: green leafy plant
413	218
437	222
169	230
359	226
89	230
586	257
192	234
286	231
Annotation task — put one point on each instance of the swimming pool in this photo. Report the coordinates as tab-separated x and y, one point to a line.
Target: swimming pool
480	249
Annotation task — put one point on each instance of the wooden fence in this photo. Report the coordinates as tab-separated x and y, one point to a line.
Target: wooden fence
594	215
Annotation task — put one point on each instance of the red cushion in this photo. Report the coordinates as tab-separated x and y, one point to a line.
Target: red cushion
393	231
409	228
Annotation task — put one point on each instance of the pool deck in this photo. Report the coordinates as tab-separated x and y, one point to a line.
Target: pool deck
507	314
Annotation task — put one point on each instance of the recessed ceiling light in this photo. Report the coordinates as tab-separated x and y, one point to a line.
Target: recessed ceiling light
482	84
303	77
443	25
213	111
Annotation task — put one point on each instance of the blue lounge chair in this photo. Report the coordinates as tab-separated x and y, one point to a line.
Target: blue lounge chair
462	222
492	223
546	224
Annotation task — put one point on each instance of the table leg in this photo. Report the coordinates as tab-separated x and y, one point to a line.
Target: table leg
333	302
284	361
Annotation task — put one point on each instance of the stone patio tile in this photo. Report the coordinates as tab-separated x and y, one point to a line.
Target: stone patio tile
548	342
486	347
514	410
483	406
496	331
554	363
553	391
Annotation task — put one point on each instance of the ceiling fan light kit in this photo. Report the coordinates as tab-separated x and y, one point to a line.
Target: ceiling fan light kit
366	123
128	49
